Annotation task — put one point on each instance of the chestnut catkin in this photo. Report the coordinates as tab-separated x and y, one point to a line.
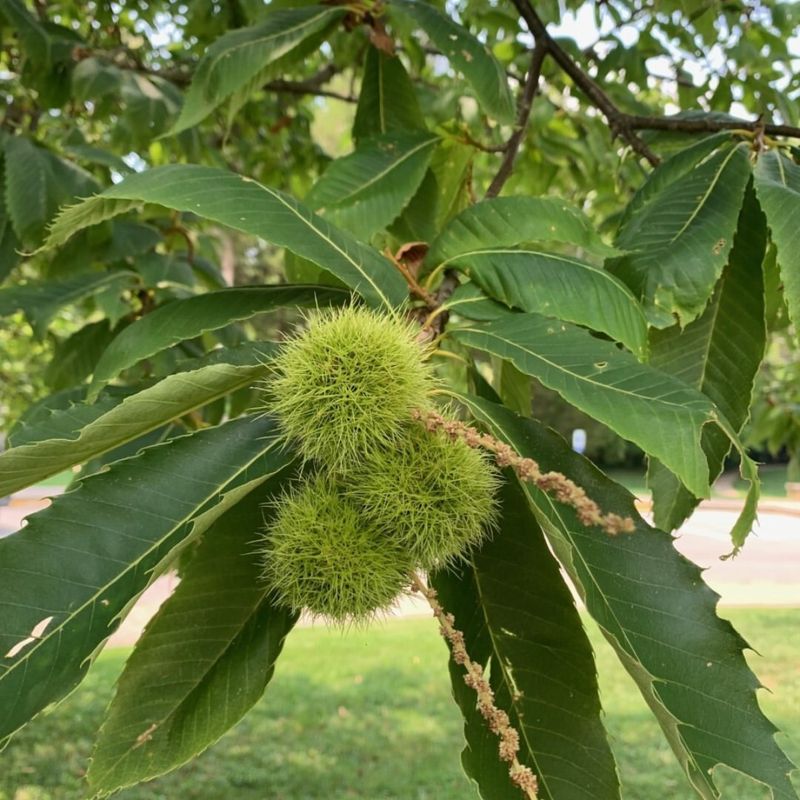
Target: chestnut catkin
431	495
348	384
321	554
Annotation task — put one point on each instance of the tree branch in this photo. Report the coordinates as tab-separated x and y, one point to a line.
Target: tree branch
617	120
529	89
625	125
708	125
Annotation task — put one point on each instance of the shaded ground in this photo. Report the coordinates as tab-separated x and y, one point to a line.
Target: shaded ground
368	716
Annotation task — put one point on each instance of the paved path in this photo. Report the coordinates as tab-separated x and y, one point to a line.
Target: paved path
766	573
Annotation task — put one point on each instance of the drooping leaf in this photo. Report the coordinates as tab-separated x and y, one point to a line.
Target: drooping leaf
467	54
184	319
75	357
518	616
777	183
387	102
505	222
470	302
247	206
561	287
240	56
675	167
34	38
659	616
365	191
41	300
451	167
514	388
719	354
9	245
151	103
57	440
152	727
93	79
37	183
70	575
680	237
662	415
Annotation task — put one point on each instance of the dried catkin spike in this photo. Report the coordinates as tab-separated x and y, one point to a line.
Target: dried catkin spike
496	718
348	384
561	487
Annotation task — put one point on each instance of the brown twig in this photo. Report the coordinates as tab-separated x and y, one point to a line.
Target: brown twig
617	120
528	93
180	230
708	125
495	717
312	85
561	487
417	290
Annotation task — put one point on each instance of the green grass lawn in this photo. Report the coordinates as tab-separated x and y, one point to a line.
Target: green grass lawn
368	715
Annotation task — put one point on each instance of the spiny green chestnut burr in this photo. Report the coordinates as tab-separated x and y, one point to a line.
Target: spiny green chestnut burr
433	496
348	384
321	554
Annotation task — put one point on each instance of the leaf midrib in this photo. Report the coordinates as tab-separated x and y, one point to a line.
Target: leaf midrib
575	551
246	379
284	32
682	407
132	565
712	185
616	282
194	687
380	175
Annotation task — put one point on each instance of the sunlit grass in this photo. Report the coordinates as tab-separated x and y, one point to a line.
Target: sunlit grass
368	715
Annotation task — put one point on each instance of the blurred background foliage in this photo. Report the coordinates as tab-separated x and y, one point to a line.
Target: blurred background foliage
92	89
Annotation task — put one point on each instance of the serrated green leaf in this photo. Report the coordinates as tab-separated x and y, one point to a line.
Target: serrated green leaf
719	354
470	302
366	191
94	79
674	168
514	388
561	287
75	357
247	206
78	433
152	727
71	574
451	166
659	616
387	101
518	616
37	183
504	222
680	237
184	319
239	56
9	257
150	104
467	54
777	183
662	415
41	300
